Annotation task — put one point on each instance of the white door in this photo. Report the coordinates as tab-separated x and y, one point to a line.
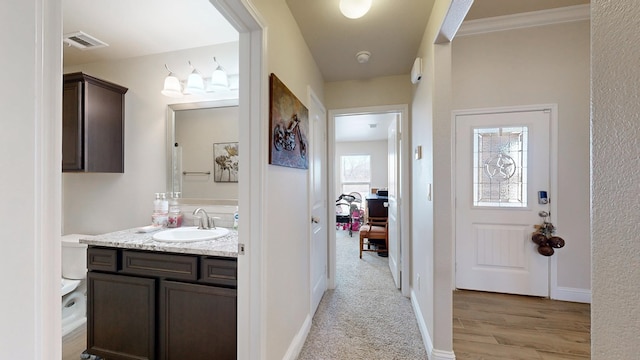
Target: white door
502	162
394	229
318	247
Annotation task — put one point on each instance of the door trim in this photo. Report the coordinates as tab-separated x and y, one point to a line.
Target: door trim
553	177
404	191
253	110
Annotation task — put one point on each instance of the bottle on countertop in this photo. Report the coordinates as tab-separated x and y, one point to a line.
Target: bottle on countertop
160	210
175	214
235	219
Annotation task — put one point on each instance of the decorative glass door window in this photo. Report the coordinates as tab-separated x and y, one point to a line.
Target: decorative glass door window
500	166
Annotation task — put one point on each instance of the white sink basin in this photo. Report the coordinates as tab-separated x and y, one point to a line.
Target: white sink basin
189	234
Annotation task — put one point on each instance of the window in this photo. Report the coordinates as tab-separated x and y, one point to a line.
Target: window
355	174
500	166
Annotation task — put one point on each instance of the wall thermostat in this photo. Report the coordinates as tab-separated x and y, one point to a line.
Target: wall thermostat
416	71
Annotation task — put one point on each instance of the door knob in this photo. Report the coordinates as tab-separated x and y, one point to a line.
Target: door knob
315	219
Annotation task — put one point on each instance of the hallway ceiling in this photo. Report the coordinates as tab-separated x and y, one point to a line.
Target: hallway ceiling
389	32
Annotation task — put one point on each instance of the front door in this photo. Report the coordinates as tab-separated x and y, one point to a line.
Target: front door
502	163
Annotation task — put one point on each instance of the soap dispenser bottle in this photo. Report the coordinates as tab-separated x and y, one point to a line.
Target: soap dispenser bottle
235	219
160	210
175	214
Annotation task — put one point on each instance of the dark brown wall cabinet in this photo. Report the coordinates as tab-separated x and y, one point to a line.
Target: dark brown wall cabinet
148	305
92	125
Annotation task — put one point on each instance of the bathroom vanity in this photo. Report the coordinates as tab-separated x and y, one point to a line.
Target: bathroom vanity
161	300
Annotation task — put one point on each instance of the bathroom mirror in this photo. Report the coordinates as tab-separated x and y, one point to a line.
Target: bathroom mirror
197	134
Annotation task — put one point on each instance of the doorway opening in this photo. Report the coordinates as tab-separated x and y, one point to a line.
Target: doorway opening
366	152
252	95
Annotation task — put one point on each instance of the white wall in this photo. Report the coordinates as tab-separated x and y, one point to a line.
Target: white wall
431	230
377	150
615	175
95	203
541	65
196	131
388	90
286	258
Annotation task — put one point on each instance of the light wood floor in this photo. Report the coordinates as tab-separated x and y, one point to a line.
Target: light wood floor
74	343
510	327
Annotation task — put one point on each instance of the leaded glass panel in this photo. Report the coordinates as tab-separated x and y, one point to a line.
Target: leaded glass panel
500	166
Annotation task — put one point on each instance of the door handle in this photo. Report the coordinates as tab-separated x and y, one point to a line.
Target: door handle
315	219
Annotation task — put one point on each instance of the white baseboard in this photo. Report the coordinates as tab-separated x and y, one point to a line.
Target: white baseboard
571	294
442	355
298	341
434	354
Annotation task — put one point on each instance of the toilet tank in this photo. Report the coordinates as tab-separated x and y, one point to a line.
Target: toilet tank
74	256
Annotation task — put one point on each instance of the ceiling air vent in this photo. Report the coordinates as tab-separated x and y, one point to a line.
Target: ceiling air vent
83	41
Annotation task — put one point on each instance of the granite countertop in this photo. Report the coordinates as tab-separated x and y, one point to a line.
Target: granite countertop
226	246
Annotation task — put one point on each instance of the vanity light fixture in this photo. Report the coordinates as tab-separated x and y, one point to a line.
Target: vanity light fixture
195	82
172	87
354	9
219	78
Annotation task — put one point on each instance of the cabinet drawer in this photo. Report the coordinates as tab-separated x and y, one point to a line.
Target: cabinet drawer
183	267
102	259
219	271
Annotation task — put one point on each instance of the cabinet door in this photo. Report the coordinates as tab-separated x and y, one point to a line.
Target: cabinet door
72	135
104	129
121	316
197	322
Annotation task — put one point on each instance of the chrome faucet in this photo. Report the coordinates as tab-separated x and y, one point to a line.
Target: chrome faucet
205	221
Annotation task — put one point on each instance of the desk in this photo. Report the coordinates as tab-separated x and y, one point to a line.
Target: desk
377	206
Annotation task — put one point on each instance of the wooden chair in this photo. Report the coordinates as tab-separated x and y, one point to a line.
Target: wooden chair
375	229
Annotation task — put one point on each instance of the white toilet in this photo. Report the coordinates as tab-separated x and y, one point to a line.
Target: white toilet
74	272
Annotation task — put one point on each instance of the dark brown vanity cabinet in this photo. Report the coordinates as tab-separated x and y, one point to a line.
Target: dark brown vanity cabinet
92	124
148	305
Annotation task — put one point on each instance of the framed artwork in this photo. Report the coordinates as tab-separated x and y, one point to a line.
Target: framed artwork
288	124
225	162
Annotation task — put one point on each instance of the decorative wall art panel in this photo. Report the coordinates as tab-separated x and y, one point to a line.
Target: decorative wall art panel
289	125
225	162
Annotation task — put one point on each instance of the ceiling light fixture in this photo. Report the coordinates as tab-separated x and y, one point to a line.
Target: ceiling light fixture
363	56
172	87
354	9
219	78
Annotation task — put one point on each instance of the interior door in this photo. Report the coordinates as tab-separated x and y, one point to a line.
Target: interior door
318	199
502	162
394	229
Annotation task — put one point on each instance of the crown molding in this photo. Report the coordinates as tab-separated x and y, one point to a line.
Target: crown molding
525	20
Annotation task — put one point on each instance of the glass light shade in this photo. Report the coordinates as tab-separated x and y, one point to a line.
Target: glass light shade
354	9
195	84
219	80
172	87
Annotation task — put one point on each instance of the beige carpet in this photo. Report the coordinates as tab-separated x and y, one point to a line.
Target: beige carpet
365	317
